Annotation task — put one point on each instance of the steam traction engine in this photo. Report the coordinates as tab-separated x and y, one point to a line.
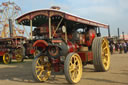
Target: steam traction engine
65	42
11	35
12	48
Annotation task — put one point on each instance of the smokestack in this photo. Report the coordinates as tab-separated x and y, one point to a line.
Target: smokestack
10	27
55	7
118	32
123	35
109	35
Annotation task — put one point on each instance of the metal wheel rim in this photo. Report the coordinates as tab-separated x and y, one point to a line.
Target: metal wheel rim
6	58
43	70
18	57
105	54
75	68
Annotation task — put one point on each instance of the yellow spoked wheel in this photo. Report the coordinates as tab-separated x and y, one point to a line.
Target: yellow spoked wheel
73	68
19	55
41	70
6	58
19	58
101	54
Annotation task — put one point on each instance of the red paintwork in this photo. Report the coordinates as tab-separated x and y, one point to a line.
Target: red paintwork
91	35
86	56
55	60
76	46
83	56
56	64
40	43
2	53
90	55
72	47
13	56
56	67
32	51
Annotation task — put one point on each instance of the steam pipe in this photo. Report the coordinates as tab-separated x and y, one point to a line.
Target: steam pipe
10	28
109	35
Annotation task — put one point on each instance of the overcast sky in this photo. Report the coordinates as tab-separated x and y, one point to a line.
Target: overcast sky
112	12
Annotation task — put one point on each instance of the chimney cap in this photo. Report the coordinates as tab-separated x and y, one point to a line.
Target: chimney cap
55	7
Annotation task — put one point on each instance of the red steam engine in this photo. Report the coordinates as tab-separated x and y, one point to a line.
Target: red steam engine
65	43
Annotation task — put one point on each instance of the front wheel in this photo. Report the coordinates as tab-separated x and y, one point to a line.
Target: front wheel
73	68
7	58
41	70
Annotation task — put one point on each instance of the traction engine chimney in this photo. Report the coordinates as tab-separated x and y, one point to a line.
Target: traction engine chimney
10	28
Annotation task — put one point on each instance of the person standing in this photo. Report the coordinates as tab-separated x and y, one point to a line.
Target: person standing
111	47
125	47
120	47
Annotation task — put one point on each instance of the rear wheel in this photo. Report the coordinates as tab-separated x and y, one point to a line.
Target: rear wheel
101	54
41	70
19	58
6	58
20	55
73	68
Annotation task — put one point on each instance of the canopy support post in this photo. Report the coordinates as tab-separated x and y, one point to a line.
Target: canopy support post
31	28
49	27
66	37
57	26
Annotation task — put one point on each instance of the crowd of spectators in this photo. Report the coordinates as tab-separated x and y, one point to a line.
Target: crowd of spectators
121	47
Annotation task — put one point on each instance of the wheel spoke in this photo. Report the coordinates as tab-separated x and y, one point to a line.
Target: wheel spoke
48	73
40	74
107	54
38	67
105	60
105	48
38	63
71	68
75	61
37	70
73	76
103	44
105	64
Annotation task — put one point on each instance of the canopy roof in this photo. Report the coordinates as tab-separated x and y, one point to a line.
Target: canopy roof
41	16
12	38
